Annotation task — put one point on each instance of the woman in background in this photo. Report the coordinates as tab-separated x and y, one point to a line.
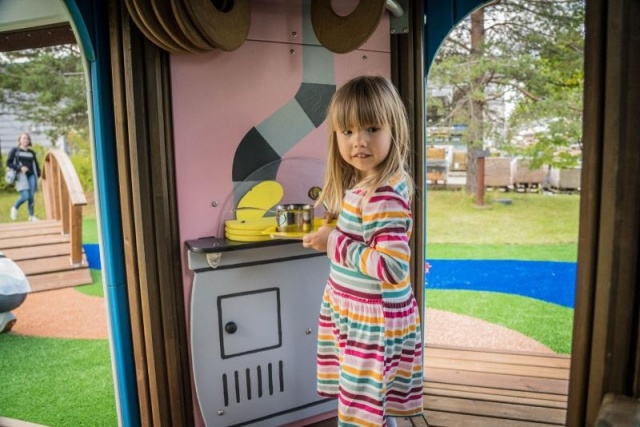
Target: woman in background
23	160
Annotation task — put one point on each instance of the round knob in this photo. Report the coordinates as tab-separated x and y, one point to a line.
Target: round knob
231	327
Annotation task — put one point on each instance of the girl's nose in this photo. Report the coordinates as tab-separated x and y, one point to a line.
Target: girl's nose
360	139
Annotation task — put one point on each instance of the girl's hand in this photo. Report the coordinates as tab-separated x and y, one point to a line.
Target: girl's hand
317	240
24	169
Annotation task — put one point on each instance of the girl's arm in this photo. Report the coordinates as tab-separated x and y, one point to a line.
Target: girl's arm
385	253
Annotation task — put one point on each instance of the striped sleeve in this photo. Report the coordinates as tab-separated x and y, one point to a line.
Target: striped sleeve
385	253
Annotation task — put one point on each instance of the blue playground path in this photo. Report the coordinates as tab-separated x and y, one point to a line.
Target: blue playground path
548	281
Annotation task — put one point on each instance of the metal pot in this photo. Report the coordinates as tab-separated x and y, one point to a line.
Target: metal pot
294	218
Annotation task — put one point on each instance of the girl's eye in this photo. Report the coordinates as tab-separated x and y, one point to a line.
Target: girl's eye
372	129
346	132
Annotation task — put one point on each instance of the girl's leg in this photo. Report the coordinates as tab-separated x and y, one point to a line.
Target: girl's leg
391	422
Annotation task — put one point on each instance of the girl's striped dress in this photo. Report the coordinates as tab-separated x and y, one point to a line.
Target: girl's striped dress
369	340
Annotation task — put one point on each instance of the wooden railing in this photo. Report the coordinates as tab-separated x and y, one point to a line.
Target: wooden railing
64	198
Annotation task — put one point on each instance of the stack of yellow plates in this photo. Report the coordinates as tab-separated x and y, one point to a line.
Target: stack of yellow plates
248	230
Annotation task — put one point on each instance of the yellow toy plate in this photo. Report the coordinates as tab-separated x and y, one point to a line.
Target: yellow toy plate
242	238
257	201
256	224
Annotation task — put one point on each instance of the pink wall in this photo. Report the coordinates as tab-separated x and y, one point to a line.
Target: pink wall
219	96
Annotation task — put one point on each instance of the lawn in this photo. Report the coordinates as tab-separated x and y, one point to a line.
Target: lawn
534	227
69	382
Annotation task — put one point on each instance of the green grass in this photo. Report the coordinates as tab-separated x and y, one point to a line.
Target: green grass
89	230
549	324
8	199
95	288
56	382
531	219
567	252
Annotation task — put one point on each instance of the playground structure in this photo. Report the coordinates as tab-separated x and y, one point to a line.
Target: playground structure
49	252
133	100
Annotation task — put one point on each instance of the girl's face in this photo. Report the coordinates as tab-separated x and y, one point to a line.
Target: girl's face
364	149
24	141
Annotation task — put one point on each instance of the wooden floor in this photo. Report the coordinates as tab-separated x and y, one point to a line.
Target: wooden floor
473	388
43	253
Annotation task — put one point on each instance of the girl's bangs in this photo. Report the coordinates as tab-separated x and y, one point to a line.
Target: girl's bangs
352	113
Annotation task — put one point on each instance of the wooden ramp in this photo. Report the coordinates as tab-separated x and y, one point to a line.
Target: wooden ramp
467	387
42	251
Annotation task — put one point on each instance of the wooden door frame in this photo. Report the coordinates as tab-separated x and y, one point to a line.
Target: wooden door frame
604	358
152	247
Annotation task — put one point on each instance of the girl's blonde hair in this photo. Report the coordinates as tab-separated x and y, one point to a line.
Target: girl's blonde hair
365	101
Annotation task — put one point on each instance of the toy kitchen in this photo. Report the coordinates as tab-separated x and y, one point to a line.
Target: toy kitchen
250	158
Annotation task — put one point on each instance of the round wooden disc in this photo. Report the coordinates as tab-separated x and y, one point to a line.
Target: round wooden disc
226	30
187	27
135	17
167	19
342	34
153	26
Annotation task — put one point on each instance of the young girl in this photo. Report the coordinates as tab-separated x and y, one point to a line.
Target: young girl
369	339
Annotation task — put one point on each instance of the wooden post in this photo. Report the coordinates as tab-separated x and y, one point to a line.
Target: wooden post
75	235
480	177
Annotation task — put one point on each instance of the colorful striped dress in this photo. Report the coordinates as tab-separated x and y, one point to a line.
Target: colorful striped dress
369	340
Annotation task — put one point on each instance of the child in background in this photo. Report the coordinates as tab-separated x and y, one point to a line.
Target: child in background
369	334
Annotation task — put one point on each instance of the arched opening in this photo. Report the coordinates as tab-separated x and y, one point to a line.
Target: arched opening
503	133
81	339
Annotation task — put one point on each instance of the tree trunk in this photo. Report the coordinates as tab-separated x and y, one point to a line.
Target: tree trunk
475	129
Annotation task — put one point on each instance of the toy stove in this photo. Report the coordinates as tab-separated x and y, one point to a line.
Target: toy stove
254	316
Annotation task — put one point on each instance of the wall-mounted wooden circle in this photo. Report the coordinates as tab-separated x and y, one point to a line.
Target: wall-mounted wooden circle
135	17
342	34
153	24
223	23
186	25
167	19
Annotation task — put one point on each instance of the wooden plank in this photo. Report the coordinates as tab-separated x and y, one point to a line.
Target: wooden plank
32	241
25	225
50	281
431	387
12	234
498	368
442	419
35	252
121	59
472	393
496	410
48	265
522	358
511	382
